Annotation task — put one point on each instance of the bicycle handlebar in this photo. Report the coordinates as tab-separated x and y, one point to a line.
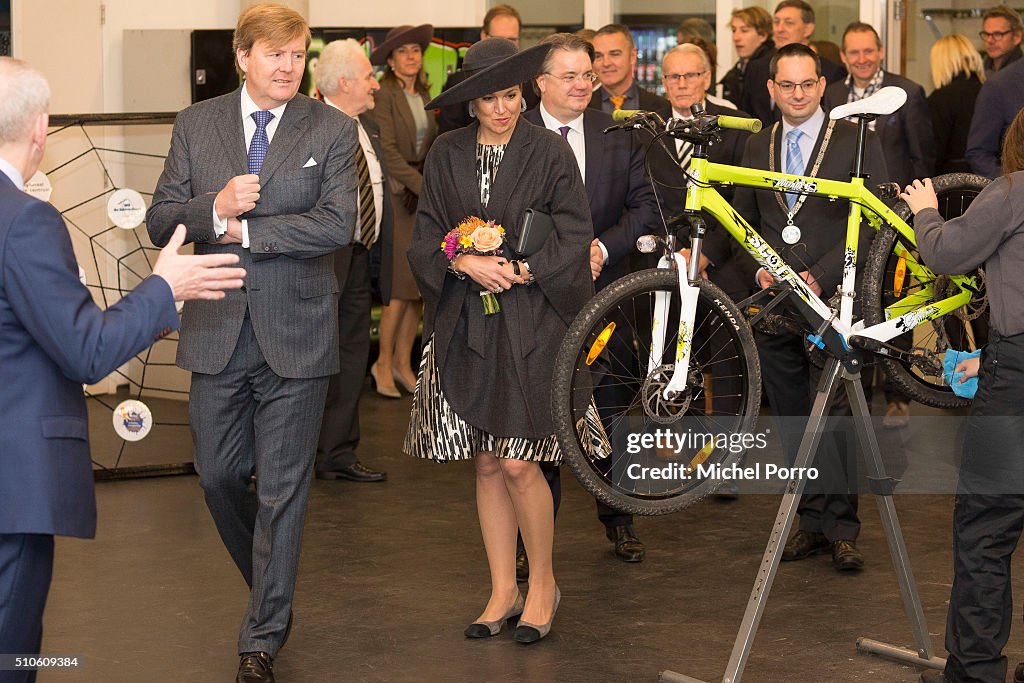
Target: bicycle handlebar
722	121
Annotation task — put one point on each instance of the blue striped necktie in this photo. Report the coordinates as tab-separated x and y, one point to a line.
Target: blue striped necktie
794	160
260	142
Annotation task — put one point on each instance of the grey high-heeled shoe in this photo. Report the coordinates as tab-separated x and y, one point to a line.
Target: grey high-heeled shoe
486	629
531	633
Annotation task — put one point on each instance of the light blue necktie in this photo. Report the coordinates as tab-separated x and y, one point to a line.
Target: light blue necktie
260	142
794	160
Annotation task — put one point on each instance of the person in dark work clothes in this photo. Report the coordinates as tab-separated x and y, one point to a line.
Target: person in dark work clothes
621	205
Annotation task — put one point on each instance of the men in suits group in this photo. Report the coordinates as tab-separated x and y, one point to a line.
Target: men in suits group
814	246
345	78
621	205
615	65
54	340
269	175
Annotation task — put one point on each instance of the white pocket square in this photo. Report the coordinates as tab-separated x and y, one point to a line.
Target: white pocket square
308	164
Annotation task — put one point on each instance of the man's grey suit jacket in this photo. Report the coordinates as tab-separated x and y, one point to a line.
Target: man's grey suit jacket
306	211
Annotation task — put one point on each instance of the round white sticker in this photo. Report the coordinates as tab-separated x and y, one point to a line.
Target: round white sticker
132	420
126	209
39	186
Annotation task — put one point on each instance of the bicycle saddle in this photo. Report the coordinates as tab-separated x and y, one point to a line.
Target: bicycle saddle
885	101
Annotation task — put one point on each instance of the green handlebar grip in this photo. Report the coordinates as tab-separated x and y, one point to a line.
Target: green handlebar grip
739	123
623	114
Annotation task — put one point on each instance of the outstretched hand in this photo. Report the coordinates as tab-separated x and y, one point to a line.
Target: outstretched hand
920	195
196	276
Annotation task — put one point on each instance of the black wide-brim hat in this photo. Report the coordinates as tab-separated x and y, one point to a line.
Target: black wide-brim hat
491	65
399	36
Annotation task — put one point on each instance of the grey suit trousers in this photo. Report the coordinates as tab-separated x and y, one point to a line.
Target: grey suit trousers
247	420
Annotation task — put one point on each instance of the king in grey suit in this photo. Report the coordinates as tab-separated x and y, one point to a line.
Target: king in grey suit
261	359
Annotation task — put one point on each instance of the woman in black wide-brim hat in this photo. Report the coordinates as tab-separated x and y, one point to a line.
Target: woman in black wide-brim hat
483	389
406	133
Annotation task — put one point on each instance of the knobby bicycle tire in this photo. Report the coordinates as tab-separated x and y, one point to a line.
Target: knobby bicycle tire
724	371
955	192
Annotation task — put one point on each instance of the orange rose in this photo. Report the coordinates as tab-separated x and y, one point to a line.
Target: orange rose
486	238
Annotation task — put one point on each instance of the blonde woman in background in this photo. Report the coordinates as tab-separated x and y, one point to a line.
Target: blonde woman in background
958	72
406	133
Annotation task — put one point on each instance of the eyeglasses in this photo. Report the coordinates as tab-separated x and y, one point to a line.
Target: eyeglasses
993	35
570	78
689	78
787	86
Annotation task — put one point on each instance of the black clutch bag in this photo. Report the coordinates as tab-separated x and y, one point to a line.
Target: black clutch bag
533	232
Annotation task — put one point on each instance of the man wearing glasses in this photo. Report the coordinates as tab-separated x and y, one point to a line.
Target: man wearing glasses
809	233
1001	31
621	205
686	73
1002	96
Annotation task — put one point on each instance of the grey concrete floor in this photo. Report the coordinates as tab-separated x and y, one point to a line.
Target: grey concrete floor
391	573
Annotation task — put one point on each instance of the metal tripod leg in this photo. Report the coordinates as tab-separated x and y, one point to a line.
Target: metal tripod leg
784	522
777	539
883	487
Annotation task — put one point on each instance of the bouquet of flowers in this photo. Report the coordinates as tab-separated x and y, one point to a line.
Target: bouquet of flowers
481	238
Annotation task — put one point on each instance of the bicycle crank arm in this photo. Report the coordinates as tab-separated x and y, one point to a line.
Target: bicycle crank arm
919	359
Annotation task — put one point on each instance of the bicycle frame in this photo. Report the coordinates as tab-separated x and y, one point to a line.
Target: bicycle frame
902	316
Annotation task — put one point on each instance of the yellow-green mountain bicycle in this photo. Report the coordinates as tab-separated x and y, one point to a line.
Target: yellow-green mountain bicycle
662	348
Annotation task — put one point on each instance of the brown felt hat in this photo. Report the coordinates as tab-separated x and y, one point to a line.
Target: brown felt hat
399	36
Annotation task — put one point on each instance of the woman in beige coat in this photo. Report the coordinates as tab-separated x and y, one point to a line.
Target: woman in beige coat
406	133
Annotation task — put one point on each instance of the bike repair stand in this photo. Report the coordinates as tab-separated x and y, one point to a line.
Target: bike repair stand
882	487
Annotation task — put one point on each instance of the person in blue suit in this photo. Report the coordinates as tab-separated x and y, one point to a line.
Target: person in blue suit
54	339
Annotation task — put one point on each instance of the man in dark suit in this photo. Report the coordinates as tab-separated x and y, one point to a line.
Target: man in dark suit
999	100
615	66
793	22
905	135
621	205
810	234
345	78
269	175
54	340
501	21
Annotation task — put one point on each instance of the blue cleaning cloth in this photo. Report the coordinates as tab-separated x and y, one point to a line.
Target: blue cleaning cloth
950	360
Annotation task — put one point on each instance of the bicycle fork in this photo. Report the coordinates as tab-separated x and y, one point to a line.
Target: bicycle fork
688	295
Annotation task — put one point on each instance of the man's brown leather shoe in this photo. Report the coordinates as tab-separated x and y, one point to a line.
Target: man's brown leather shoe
846	557
803	544
255	667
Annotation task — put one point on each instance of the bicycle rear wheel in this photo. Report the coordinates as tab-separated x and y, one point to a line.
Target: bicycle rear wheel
605	361
887	280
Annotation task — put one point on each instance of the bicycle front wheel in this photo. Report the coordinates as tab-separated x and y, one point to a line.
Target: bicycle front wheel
610	407
889	278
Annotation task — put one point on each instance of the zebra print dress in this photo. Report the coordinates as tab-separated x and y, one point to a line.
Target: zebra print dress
436	431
